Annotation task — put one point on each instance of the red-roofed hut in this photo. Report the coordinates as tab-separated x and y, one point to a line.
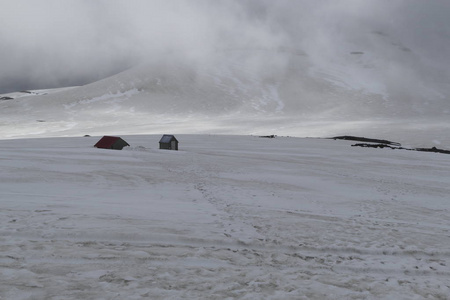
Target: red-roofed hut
111	142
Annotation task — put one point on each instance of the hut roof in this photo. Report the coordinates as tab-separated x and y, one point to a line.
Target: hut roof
111	142
167	138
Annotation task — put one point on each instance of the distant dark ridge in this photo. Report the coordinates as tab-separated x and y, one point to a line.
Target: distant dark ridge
433	149
363	139
376	146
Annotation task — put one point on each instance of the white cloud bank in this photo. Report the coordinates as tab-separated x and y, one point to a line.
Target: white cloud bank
53	43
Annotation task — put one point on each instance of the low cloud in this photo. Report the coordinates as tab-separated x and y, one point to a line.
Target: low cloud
51	43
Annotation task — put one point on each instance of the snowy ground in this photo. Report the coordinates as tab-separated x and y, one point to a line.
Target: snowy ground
225	217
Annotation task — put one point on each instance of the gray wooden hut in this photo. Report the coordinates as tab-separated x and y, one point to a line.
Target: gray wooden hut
168	142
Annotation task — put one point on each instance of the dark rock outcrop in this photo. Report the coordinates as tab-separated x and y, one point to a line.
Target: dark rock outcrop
363	139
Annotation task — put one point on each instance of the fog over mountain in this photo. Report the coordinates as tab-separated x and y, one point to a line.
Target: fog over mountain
52	43
233	66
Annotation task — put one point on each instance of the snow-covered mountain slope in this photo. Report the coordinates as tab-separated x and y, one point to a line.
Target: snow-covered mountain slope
250	91
225	217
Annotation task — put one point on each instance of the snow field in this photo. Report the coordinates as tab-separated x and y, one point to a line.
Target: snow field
225	217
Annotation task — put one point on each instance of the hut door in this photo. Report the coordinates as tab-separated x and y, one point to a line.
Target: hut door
173	145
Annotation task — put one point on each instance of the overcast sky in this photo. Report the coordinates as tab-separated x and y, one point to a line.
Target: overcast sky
53	43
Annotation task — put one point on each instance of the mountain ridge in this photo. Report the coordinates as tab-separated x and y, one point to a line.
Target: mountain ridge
265	91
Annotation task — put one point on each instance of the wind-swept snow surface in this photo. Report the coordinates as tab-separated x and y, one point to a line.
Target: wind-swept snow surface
225	217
